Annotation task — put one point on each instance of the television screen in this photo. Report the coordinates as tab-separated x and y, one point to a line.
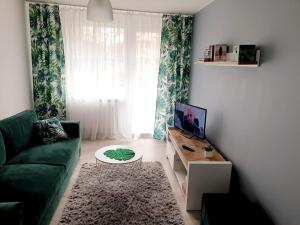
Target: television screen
190	119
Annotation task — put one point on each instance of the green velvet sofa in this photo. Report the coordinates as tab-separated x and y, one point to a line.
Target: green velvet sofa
33	176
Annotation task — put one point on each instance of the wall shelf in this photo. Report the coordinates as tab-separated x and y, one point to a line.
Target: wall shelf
226	63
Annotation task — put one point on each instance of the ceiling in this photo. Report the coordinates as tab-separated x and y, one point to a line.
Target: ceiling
162	6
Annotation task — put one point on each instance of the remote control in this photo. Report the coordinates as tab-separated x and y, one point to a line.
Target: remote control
188	148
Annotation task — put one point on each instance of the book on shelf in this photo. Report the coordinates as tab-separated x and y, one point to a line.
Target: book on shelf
209	54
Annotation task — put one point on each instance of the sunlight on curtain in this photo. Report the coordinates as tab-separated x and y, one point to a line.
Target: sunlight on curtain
111	72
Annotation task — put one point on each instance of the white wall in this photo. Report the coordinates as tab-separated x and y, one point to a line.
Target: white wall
253	113
15	88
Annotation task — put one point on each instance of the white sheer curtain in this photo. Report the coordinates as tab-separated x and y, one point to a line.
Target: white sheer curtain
111	72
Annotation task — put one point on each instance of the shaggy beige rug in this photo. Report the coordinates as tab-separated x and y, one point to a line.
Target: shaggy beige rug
118	195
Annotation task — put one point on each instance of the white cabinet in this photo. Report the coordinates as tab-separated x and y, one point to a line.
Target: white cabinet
195	173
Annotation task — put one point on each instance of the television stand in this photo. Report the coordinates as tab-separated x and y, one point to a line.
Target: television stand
187	134
195	173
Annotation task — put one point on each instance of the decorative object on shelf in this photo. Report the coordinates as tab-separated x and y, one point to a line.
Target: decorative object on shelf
244	54
99	11
257	56
208	150
209	54
220	52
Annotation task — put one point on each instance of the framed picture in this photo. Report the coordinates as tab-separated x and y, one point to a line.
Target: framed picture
245	54
220	52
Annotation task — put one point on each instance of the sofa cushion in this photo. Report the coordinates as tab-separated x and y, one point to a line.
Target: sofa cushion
50	130
2	150
17	131
59	153
32	184
11	213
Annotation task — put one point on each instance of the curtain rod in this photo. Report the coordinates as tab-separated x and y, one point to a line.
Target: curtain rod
120	10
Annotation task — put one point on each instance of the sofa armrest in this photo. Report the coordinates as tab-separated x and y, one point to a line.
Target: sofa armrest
11	213
72	128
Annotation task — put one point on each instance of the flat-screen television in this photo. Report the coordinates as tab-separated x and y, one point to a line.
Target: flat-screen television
190	119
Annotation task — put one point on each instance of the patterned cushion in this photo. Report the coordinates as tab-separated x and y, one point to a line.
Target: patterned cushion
50	130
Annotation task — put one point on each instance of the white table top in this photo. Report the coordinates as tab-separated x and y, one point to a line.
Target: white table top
99	154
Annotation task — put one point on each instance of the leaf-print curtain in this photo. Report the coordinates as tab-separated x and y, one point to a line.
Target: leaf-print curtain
47	61
174	70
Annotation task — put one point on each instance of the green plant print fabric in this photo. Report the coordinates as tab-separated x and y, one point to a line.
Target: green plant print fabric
48	61
174	70
50	130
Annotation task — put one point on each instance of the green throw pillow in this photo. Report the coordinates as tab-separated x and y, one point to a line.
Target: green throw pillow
50	130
